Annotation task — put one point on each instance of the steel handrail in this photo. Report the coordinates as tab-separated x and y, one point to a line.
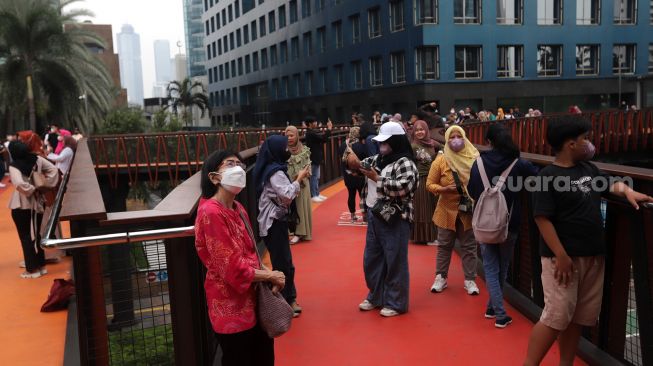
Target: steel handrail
119	238
56	208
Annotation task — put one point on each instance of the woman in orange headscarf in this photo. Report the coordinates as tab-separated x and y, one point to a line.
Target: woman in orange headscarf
33	141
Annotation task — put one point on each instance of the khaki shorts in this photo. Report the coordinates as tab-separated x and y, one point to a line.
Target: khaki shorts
580	301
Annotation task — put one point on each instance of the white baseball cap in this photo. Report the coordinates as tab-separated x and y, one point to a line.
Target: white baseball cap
389	129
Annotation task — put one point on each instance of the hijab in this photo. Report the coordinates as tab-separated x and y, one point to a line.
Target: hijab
400	149
61	145
33	141
426	141
298	146
461	162
23	159
271	158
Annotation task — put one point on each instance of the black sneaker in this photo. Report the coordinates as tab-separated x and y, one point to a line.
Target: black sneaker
489	314
502	323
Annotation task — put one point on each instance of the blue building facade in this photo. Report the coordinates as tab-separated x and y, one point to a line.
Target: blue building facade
277	61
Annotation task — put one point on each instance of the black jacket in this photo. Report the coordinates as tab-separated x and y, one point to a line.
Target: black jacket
315	141
495	163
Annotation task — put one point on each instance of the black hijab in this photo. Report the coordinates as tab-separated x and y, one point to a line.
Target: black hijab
23	159
400	149
272	157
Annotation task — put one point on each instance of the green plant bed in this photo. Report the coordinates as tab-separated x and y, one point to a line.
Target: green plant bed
151	346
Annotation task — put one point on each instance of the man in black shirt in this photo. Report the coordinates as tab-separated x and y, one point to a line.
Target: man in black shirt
315	141
567	212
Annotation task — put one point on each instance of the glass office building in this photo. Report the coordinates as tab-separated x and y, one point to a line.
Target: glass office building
277	61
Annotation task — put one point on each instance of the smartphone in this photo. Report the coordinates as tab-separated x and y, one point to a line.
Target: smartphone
366	165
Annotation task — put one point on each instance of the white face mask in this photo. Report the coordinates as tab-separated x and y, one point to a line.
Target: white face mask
233	179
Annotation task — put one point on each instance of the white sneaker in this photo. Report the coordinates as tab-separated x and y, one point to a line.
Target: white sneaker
36	274
2	185
294	240
317	199
323	197
366	305
471	287
43	271
387	312
433	243
439	284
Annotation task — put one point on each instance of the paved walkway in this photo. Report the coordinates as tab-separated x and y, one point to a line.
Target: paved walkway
27	336
439	329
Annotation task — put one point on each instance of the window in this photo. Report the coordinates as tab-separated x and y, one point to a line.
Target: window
321	39
355	21
510	61
221	68
217	20
340	78
255	61
240	66
588	12
224	17
337	34
233	68
294	90
207	30
226	70
246	34
228	96
426	11
237	7
220	47
275	88
396	15
232	41
273	56
272	24
549	12
374	22
212	24
467	11
469	62
510	11
252	27
650	56
231	13
376	71
208	51
248	68
324	80
308	82
282	16
294	48
357	72
283	54
261	26
623	58
235	95
293	11
238	38
308	44
587	59
306	8
427	63
625	11
319	5
549	60
398	67
284	87
264	58
225	43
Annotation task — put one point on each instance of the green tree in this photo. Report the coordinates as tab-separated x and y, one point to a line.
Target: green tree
124	120
185	95
43	65
164	121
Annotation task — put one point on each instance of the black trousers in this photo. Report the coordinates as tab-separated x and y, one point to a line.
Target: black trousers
281	257
34	257
249	348
354	185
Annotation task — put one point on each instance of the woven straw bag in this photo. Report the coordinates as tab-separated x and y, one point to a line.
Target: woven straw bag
273	312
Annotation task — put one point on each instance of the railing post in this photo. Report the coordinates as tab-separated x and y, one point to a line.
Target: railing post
642	239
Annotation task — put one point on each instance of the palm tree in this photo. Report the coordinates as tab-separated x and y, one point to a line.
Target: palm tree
186	95
49	68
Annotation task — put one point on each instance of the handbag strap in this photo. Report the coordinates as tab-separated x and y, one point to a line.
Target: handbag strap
251	235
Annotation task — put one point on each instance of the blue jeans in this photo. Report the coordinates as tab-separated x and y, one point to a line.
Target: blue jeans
385	263
496	259
315	180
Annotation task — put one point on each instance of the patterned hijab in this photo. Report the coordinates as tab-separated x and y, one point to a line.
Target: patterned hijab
461	162
297	147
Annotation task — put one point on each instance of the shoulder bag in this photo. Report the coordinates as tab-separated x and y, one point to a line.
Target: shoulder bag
273	313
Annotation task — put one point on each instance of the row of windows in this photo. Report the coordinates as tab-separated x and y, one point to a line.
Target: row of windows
468	65
511	12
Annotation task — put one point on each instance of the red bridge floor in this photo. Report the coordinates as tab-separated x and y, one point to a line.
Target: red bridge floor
439	329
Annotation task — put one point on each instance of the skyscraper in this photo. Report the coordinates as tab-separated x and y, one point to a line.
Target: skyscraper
131	69
162	64
193	28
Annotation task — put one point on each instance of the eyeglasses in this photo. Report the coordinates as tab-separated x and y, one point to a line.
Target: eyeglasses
233	163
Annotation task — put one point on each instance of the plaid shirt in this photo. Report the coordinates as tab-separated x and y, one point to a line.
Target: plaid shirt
398	181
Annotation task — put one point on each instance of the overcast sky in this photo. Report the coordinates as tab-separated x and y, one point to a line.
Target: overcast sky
151	19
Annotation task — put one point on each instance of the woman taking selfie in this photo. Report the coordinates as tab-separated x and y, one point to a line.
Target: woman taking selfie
225	246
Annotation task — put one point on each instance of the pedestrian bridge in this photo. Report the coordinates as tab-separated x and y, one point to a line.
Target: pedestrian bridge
140	297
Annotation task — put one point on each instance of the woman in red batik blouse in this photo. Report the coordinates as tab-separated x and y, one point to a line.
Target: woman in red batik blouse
226	248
